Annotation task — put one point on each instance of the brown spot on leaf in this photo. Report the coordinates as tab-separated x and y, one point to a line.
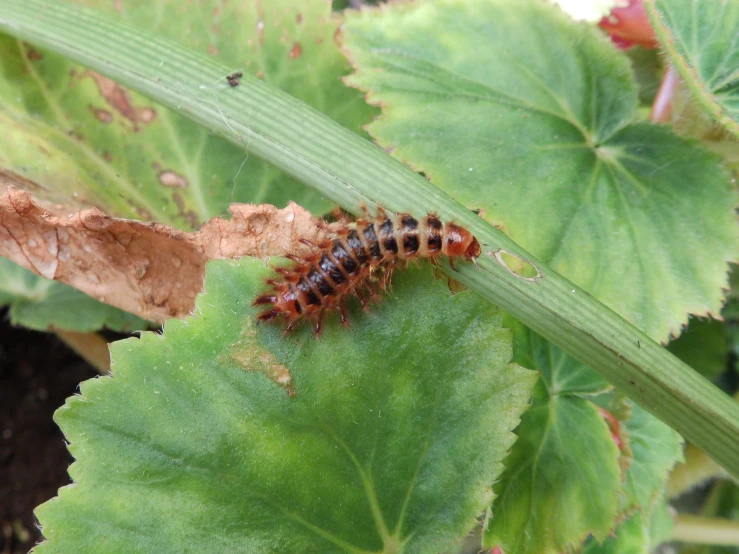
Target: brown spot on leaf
171	179
102	115
259	360
188	215
18	181
130	264
298	18
33	54
147	115
213	50
295	51
119	100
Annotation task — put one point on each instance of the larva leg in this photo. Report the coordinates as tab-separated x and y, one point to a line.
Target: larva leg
387	276
338	215
342	315
360	299
317	326
266	299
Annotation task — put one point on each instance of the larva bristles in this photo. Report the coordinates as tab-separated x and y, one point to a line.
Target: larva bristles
358	262
266	299
268	316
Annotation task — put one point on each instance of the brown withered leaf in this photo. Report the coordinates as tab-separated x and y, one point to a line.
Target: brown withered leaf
148	269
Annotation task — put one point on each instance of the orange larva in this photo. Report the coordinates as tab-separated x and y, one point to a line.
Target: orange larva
347	265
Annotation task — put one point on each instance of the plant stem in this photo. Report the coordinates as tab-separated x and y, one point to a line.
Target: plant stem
695	470
90	346
706	530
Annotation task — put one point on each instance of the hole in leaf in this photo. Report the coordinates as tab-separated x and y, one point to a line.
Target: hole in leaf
517	266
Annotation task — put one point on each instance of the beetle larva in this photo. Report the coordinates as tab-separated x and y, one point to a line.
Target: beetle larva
358	260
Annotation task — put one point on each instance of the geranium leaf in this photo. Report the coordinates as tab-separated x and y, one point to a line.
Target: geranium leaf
83	138
41	304
562	478
655	448
515	109
382	438
639	534
700	41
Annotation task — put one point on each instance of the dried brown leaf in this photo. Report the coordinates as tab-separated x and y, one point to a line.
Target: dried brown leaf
148	269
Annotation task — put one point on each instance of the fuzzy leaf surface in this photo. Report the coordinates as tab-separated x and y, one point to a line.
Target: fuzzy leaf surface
41	304
655	448
700	39
513	108
83	138
637	535
224	436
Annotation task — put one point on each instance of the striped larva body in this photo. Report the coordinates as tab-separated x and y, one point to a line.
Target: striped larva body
358	260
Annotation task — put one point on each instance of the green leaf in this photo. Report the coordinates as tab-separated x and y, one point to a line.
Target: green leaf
648	69
562	478
703	346
630	537
41	304
540	136
636	535
655	449
386	438
348	169
699	38
82	137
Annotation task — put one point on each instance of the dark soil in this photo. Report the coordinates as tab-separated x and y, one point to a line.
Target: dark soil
37	373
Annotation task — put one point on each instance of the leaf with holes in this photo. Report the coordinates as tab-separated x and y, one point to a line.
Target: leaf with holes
699	39
77	136
515	109
41	304
221	435
562	479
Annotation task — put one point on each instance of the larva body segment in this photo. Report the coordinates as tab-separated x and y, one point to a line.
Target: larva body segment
358	261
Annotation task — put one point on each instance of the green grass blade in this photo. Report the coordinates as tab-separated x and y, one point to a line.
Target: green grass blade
351	171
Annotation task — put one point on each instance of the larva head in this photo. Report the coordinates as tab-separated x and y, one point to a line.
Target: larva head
459	242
